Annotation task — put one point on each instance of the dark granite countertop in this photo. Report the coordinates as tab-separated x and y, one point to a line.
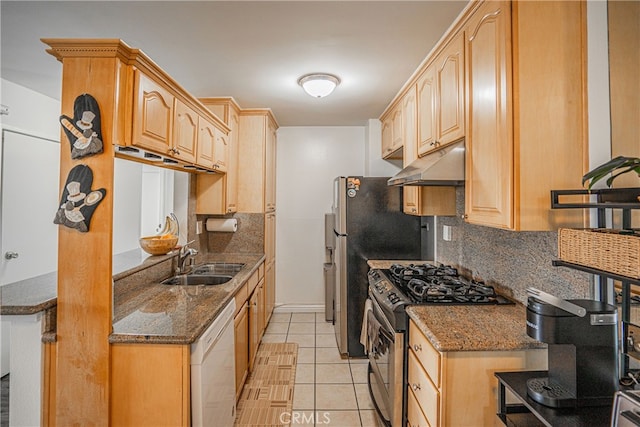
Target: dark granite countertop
163	314
39	293
474	328
153	313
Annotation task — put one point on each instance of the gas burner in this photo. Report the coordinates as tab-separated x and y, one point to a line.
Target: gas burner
426	284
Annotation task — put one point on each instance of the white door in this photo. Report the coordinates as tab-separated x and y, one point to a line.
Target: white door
30	178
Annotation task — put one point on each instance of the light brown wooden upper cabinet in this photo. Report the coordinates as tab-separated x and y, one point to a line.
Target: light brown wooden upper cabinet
221	150
206	143
185	132
256	171
153	115
270	162
392	130
525	129
217	194
441	98
410	199
421	200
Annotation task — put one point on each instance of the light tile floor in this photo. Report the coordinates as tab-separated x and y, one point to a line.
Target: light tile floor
329	390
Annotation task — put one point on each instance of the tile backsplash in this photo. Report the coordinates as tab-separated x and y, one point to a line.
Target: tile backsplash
511	261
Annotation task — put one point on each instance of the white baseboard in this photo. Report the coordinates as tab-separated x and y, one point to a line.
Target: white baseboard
299	308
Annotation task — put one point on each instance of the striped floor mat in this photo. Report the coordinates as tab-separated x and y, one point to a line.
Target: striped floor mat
267	397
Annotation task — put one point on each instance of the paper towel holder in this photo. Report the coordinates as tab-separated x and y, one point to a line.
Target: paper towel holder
222	225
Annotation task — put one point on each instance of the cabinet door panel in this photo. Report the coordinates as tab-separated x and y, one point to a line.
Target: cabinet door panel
221	150
185	132
450	99
206	143
426	111
489	161
241	328
153	115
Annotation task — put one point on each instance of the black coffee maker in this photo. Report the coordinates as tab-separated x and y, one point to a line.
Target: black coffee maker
583	350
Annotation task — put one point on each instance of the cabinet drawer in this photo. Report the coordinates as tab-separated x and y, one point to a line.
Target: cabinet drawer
425	392
415	417
428	356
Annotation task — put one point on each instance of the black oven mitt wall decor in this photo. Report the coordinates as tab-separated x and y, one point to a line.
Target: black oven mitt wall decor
78	201
83	131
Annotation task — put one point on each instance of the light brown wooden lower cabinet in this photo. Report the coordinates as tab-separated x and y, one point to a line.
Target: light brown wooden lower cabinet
150	385
48	417
241	330
458	388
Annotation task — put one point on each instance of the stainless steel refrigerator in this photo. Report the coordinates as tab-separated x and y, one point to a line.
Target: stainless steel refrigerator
369	224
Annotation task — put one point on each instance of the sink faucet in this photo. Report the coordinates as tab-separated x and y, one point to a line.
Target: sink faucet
186	258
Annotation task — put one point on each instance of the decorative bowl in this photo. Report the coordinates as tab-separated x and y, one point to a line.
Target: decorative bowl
158	245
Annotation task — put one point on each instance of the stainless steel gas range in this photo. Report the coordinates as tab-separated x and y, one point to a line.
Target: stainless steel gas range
386	321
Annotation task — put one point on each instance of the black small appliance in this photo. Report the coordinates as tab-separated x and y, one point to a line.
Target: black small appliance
583	350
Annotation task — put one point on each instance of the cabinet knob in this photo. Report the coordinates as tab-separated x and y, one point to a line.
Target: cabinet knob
11	255
415	387
464	216
417	347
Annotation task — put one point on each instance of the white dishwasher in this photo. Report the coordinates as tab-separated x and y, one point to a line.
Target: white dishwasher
213	387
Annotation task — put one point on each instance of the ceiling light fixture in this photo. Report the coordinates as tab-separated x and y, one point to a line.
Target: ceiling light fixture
319	85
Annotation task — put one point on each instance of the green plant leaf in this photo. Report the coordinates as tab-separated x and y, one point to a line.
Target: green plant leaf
598	173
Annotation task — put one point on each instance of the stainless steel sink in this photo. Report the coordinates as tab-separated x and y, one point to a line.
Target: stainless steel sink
197	279
225	268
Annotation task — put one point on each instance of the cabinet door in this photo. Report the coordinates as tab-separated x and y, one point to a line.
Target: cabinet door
426	111
387	137
270	291
450	92
206	143
397	129
185	132
270	164
489	142
270	237
254	332
152	115
221	150
261	314
232	171
411	194
241	328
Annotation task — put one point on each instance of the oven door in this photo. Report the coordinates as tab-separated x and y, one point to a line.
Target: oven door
385	369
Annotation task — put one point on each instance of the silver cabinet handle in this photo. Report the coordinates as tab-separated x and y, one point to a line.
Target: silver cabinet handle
417	347
415	387
11	255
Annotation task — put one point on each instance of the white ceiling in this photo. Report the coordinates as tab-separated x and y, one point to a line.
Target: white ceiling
254	51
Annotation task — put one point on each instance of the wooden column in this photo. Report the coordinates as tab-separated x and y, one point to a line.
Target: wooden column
85	294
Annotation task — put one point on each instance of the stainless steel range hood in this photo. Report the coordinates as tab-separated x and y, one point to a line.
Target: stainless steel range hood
441	167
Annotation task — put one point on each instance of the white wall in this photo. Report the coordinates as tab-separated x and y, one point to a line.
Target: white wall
29	111
308	159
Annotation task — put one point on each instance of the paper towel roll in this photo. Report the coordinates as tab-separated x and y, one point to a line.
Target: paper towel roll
222	225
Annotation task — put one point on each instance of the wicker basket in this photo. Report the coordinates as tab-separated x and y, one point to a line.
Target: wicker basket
604	249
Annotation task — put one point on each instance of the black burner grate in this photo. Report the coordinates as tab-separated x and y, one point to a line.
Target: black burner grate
426	283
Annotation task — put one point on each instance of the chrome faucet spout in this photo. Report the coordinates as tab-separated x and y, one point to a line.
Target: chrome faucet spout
186	258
